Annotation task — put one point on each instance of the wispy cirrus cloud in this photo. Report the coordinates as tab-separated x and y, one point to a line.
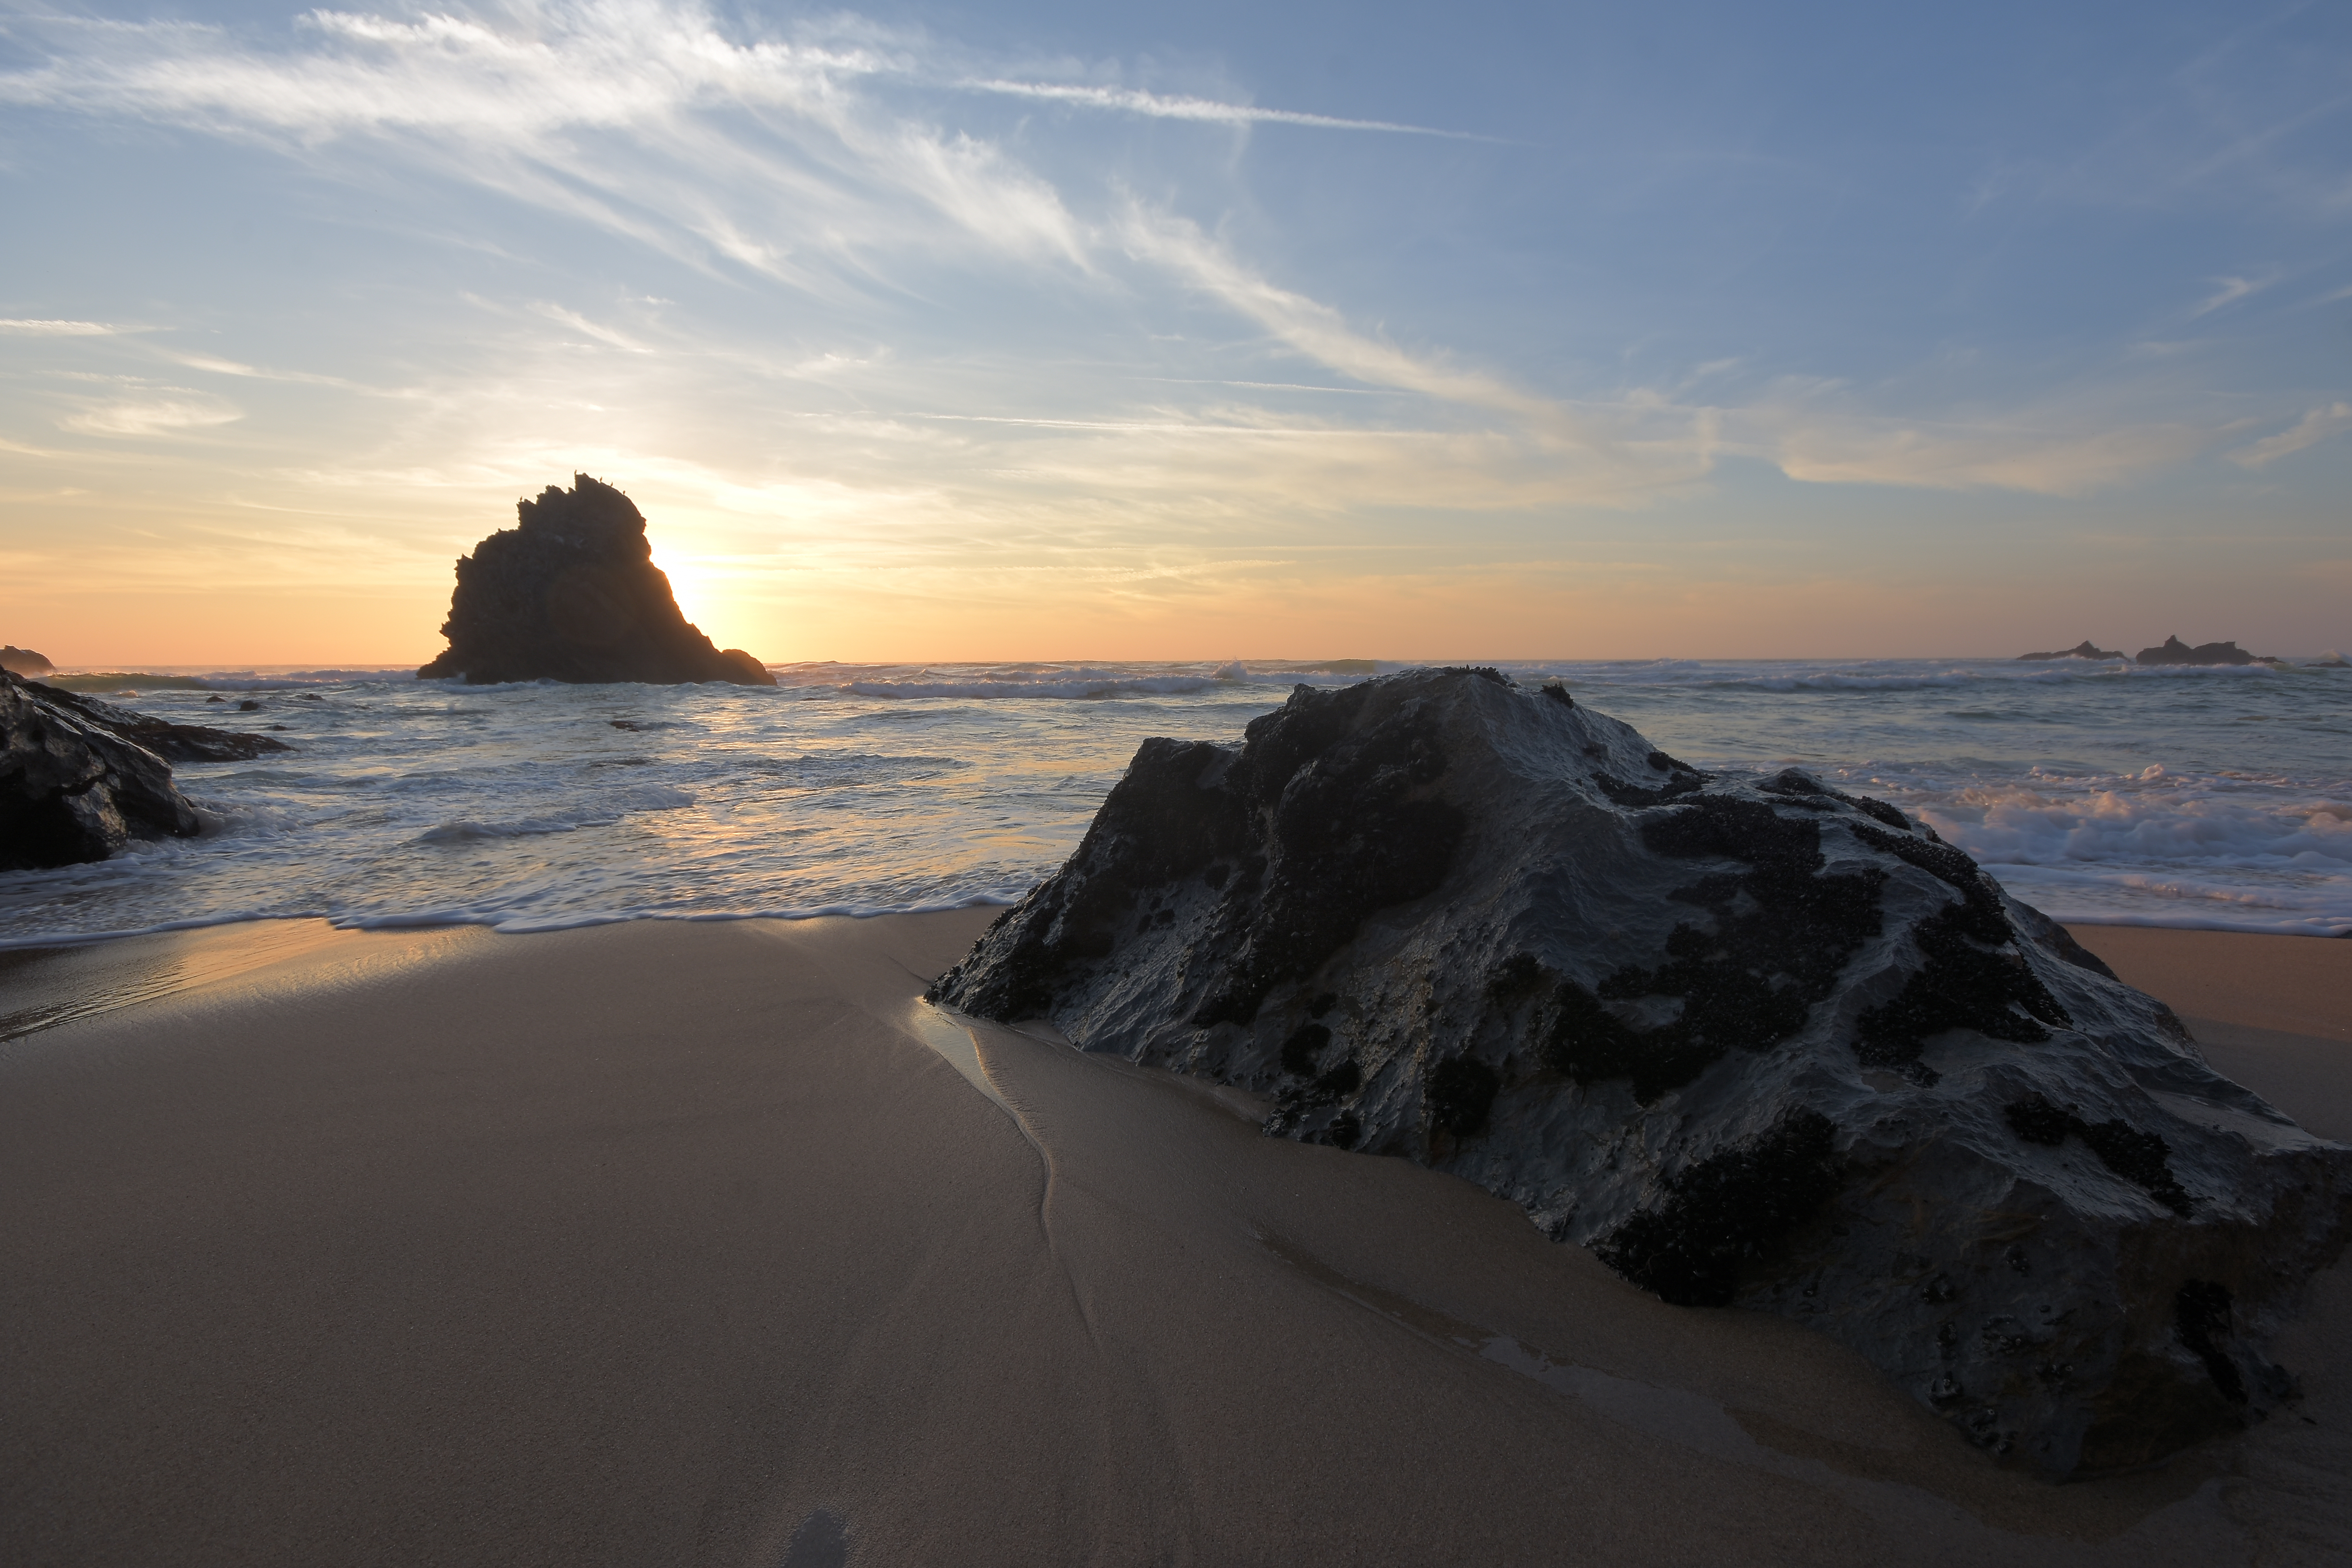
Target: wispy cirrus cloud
1621	451
213	365
2005	454
596	330
2228	291
171	413
643	117
526	69
20	327
2317	426
630	114
830	165
1205	110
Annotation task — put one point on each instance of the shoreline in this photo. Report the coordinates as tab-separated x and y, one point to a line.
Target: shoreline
888	788
68	943
685	1242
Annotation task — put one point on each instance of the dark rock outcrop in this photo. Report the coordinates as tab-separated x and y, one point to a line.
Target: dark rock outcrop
2086	648
72	788
23	661
571	593
172	742
1751	1040
2174	651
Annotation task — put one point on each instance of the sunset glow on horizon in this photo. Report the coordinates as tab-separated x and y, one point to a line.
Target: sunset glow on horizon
1026	331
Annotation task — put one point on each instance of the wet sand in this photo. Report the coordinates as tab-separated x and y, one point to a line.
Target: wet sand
2273	1012
708	1244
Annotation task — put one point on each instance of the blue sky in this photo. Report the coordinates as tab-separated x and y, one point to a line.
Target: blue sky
1307	330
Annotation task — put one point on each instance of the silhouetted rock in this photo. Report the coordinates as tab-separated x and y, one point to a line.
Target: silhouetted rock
1748	1038
571	593
72	789
172	742
23	661
2084	650
2174	651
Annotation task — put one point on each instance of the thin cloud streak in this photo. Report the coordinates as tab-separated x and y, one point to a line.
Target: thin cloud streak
2228	291
2313	427
1614	469
1208	111
34	329
2041	456
151	417
214	365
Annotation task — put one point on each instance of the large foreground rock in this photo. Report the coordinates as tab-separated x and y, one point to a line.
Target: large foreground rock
1749	1039
72	789
571	593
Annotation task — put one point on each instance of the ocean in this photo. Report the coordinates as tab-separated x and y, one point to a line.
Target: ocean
2101	792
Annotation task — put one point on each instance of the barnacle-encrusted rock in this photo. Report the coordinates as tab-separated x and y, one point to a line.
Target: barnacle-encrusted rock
1750	1038
72	789
571	593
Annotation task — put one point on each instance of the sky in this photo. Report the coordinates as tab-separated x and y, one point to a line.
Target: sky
1049	330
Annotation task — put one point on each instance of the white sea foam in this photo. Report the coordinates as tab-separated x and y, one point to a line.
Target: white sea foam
2211	797
1079	683
601	811
2164	845
1083	687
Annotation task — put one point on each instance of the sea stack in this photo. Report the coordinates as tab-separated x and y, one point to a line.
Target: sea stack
571	593
23	661
1751	1040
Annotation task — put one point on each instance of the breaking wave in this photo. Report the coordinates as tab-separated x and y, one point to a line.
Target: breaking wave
2097	791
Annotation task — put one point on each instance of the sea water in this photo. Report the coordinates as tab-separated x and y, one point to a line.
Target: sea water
2102	791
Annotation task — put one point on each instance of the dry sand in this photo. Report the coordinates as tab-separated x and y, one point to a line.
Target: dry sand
665	1243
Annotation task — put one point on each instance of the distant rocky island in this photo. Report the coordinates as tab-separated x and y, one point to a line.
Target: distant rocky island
2172	650
23	661
571	593
2084	650
1748	1037
80	778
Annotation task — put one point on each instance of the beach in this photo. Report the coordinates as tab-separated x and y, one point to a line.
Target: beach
708	1242
991	786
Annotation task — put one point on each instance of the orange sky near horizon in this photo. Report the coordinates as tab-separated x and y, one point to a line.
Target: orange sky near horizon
1526	611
